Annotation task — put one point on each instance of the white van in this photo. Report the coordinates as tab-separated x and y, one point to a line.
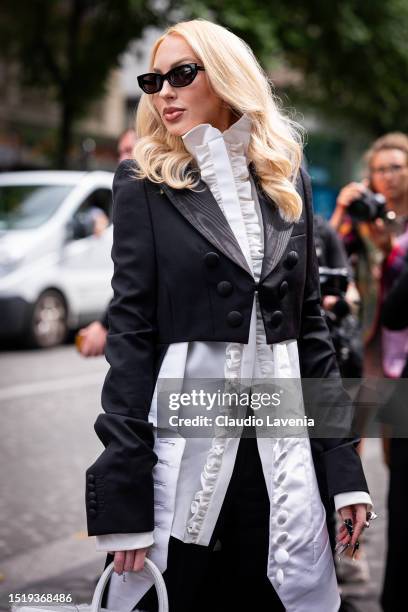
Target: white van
55	245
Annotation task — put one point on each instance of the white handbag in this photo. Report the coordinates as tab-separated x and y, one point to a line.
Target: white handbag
98	593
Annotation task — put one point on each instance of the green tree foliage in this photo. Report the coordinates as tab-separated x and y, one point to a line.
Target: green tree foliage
353	54
68	47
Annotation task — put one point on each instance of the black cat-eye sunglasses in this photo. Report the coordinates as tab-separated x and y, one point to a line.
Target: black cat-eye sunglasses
180	76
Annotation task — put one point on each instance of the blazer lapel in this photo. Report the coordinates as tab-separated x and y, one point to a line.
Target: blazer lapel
201	209
276	233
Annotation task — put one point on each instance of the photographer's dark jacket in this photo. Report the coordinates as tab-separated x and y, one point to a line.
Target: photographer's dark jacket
188	265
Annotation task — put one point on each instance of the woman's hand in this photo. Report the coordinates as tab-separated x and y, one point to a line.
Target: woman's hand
357	513
351	192
129	560
91	340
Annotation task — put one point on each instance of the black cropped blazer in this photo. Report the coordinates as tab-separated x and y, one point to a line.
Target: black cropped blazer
180	275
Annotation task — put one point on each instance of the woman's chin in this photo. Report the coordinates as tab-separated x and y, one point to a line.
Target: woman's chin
178	130
181	127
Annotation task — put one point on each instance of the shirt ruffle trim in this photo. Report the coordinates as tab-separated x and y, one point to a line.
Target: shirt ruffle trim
234	350
239	166
209	475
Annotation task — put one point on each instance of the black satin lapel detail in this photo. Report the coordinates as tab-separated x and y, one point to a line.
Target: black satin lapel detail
201	209
276	234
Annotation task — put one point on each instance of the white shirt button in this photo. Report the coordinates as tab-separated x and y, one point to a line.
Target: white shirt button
281	456
280	576
281	538
281	477
281	556
282	517
282	498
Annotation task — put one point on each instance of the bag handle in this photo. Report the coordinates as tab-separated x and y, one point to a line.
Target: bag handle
153	571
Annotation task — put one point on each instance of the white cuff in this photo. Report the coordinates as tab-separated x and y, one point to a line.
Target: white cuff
124	541
352	497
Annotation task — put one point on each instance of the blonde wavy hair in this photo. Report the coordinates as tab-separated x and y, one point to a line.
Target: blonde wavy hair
275	147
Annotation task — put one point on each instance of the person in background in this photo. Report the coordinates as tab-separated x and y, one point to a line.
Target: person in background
126	143
371	217
375	234
331	253
341	307
92	338
394	316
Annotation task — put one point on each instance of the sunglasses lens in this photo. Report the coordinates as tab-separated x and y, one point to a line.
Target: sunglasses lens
182	75
150	83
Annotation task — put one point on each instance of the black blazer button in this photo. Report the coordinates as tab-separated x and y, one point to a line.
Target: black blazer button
283	289
234	318
291	259
92	511
276	318
92	495
91	478
211	259
93	503
91	486
224	288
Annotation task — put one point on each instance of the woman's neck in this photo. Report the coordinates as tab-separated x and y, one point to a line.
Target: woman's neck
225	119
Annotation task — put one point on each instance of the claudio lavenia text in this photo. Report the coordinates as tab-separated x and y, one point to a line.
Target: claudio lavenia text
223	420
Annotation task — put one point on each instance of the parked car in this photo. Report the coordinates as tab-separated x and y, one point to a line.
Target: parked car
55	264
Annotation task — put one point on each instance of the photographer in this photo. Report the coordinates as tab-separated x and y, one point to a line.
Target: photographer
91	340
395	317
371	217
340	302
340	298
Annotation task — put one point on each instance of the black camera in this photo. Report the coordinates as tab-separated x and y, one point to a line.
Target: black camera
368	207
333	281
343	325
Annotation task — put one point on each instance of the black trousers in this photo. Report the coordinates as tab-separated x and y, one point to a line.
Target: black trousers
233	578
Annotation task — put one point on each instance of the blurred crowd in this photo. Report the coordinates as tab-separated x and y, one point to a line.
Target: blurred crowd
362	252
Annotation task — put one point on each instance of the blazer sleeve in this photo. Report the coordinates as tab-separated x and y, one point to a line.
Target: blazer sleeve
104	319
343	469
119	485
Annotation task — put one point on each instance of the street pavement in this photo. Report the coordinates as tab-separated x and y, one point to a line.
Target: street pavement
49	401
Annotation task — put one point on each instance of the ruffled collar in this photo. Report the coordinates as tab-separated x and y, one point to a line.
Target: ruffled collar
238	133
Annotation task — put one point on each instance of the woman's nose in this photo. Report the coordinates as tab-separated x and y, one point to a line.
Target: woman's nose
167	91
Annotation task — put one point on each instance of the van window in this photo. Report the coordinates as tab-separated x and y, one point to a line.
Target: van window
93	216
29	206
100	198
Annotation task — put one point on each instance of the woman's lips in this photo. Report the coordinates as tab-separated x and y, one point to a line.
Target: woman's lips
173	115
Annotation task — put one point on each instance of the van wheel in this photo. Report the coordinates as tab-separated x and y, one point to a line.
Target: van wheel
48	324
